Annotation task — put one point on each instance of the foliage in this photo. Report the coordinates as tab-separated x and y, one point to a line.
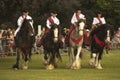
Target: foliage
10	10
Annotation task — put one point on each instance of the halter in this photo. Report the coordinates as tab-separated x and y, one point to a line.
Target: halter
31	30
108	36
55	32
79	28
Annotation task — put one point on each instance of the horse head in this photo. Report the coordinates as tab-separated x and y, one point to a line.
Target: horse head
80	26
109	32
27	26
55	32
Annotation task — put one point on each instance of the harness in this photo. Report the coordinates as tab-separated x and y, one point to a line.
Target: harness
77	40
51	21
100	22
99	42
77	17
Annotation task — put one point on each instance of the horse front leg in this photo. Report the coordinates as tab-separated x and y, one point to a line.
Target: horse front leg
57	57
76	63
45	59
94	59
71	57
98	62
16	66
51	66
26	53
25	64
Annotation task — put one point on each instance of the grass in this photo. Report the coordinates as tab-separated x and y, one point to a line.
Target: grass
37	71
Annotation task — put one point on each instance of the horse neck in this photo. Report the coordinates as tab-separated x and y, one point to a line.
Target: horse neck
101	35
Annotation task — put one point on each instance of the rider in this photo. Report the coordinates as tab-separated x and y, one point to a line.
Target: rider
50	21
75	18
21	19
98	20
25	15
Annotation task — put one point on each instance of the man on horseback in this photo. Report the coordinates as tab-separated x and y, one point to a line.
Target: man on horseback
25	15
21	19
75	18
52	20
98	20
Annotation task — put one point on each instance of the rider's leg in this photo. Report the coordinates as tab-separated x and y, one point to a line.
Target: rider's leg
68	34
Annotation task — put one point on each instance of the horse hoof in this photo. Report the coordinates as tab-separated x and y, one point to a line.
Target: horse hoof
45	62
91	63
68	65
75	67
50	67
56	60
25	67
78	67
15	67
99	67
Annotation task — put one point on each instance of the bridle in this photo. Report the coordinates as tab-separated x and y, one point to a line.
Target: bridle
80	27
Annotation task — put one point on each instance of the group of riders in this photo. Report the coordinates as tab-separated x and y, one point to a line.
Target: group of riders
52	19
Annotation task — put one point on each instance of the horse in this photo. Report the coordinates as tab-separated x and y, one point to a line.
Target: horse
24	42
75	45
100	37
51	48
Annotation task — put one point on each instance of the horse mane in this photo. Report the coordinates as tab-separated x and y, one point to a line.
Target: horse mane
101	31
24	34
52	28
48	42
24	26
80	20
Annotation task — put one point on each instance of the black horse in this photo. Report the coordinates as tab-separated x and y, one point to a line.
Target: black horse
24	42
51	47
100	37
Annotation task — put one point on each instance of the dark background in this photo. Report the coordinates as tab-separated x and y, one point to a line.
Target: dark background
10	10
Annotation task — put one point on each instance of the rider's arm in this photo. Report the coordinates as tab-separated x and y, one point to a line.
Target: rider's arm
48	24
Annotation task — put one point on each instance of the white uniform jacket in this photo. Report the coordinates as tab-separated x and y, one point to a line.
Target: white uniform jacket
74	18
55	21
20	21
96	21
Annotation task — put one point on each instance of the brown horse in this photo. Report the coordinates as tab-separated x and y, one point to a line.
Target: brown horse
76	41
24	42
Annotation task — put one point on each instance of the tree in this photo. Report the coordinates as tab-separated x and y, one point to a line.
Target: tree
10	10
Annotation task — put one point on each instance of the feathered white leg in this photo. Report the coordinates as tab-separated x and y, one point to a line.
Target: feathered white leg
96	60
99	65
25	65
50	67
76	64
92	60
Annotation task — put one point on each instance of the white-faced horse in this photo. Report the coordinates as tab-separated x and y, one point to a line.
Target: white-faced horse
76	41
51	48
100	37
